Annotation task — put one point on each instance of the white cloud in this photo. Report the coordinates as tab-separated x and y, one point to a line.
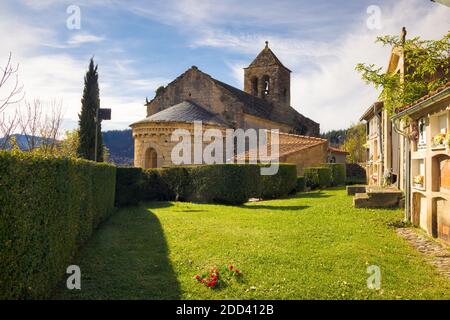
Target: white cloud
325	85
80	39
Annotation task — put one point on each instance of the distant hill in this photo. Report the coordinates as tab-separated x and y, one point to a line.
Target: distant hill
121	146
119	142
22	141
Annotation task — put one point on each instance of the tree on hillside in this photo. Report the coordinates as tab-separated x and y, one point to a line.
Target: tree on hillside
11	92
335	137
427	65
90	103
355	143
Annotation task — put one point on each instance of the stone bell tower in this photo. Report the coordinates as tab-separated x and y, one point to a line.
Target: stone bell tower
268	79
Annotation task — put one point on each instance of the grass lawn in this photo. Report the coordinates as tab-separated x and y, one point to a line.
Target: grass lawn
311	246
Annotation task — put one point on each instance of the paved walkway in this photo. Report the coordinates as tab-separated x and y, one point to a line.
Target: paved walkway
435	253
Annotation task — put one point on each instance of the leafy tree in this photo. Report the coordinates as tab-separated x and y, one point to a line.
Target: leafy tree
427	66
90	103
355	143
69	146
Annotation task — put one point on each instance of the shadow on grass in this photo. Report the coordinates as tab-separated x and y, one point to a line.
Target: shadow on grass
312	194
128	258
274	207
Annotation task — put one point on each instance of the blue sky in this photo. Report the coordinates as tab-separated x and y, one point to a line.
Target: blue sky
140	45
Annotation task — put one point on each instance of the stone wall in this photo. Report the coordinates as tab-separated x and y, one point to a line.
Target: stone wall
310	157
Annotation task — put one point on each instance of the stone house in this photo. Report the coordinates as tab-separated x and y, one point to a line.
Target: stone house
336	155
196	96
427	141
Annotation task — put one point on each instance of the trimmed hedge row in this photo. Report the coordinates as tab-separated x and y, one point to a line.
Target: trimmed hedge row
319	177
222	183
48	208
338	174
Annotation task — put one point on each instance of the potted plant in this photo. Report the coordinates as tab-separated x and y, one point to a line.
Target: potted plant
419	181
439	140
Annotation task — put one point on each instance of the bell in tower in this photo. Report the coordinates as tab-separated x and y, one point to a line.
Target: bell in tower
268	79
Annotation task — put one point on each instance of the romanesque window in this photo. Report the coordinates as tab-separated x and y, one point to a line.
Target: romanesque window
151	159
266	82
255	86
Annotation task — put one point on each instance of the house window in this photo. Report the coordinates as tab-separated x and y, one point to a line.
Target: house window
255	86
422	132
442	120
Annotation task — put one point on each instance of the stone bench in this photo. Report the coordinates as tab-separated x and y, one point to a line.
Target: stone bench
378	199
354	189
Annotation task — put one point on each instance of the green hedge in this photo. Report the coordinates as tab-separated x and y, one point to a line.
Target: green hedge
281	184
300	184
129	186
224	183
318	177
338	174
48	208
178	183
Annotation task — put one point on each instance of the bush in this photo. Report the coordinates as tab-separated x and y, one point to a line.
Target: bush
280	184
300	184
154	187
178	182
48	208
338	175
318	177
355	174
224	183
129	186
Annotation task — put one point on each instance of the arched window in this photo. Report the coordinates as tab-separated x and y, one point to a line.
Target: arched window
255	86
151	159
266	87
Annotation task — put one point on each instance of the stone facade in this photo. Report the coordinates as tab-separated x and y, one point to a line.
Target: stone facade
429	163
310	157
263	104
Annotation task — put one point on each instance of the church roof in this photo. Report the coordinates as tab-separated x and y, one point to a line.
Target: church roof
186	111
266	58
252	105
288	144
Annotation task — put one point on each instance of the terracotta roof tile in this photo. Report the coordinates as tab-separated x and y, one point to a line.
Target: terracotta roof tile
288	144
336	150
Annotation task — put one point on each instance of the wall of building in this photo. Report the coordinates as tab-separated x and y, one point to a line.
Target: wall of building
430	203
310	157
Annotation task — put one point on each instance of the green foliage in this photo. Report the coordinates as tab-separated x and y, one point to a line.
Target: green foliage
90	103
154	188
355	174
301	184
225	183
356	138
129	186
178	183
48	208
280	184
426	68
68	147
338	174
318	177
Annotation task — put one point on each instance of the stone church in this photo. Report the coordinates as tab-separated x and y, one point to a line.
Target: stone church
265	103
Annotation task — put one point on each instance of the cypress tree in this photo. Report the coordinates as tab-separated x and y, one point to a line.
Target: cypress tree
90	103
